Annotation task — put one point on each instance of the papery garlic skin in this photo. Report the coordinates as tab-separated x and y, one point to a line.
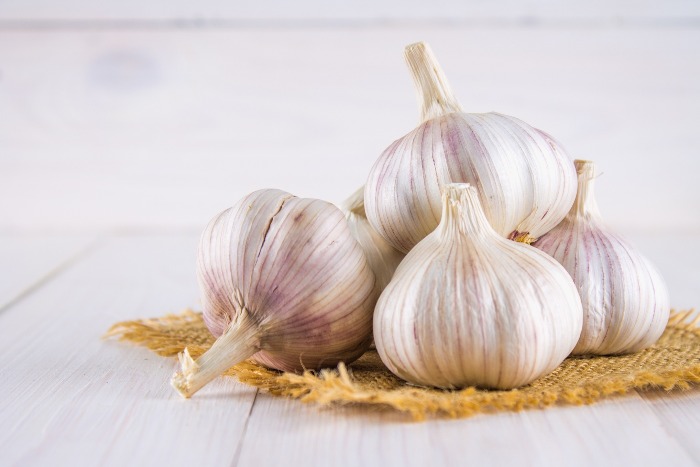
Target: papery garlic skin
467	307
625	300
283	281
525	179
383	259
294	262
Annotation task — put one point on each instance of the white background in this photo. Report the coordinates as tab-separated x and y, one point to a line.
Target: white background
152	116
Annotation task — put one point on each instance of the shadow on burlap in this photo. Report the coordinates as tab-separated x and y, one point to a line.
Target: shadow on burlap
674	362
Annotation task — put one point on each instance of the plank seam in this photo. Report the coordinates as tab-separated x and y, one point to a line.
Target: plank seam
53	273
239	447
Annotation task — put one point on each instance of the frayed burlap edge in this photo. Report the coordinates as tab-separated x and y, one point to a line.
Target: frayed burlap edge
338	386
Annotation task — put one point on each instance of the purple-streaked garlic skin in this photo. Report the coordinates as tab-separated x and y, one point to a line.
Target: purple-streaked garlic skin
525	179
294	265
625	300
467	307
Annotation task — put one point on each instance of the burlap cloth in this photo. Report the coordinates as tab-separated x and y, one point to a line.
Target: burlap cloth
674	362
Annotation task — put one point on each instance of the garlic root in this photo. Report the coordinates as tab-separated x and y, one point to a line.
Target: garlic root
239	342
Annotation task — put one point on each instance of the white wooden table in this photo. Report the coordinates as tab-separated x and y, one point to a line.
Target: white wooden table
70	398
125	127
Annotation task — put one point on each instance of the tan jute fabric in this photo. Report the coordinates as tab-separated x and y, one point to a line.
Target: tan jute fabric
674	362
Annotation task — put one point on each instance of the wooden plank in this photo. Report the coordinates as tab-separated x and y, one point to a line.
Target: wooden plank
317	9
166	128
678	259
26	261
679	413
614	432
70	398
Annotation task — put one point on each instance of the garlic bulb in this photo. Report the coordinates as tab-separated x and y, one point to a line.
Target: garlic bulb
468	307
625	300
284	282
383	259
526	181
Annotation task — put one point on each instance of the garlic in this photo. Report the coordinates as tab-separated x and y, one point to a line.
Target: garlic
383	259
468	307
625	300
526	181
284	282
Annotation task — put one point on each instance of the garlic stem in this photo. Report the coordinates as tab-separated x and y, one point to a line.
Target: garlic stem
585	204
239	342
462	209
434	93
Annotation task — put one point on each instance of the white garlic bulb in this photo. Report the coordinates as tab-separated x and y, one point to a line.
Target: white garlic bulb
468	307
526	181
284	282
382	257
625	300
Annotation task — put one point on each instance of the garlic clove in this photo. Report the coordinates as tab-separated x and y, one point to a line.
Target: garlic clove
283	281
525	179
383	259
625	300
468	307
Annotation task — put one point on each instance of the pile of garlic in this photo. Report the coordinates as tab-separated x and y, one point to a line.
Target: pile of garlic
432	257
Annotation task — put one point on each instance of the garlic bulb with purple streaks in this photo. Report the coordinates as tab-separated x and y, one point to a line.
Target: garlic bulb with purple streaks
383	259
526	181
284	282
468	307
625	300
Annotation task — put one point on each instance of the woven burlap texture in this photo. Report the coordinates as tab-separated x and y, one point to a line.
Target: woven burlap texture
674	362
